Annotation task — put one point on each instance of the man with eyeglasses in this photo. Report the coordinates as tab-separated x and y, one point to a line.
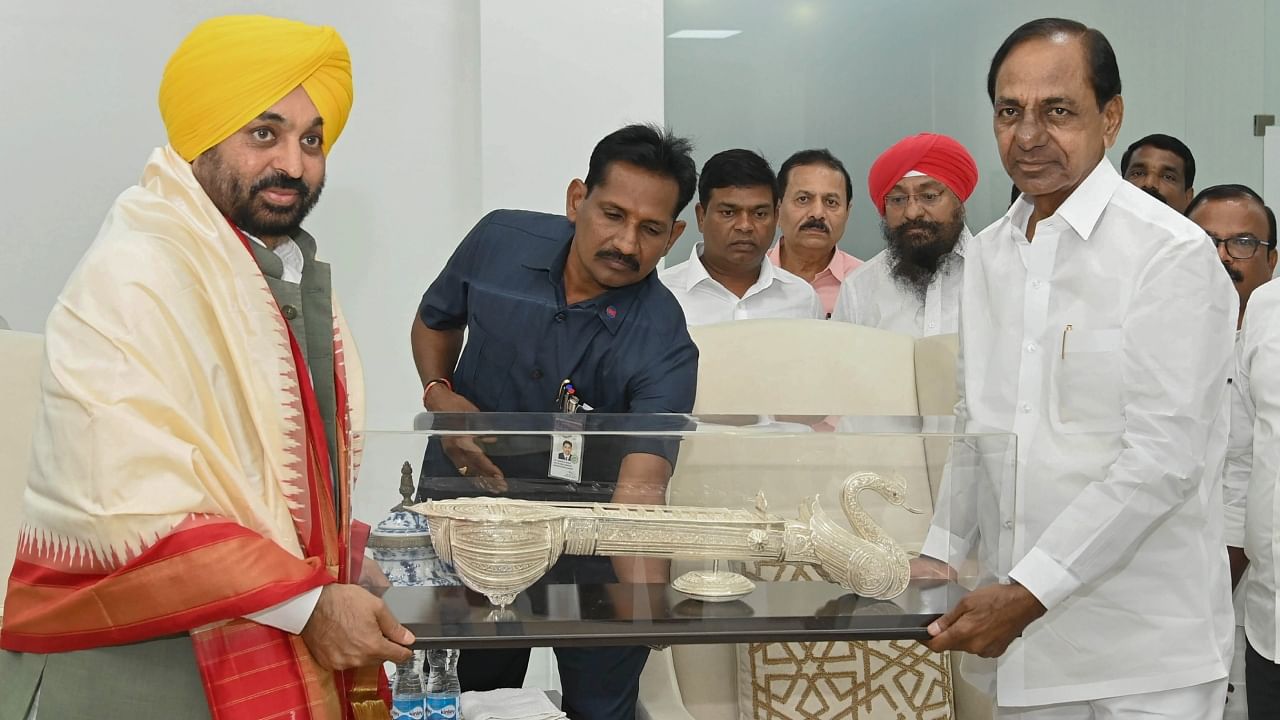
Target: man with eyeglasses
1163	167
913	286
1243	229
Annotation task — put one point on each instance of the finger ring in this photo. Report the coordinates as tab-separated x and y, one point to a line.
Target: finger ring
462	469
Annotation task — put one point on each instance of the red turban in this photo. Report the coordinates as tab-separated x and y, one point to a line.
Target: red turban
937	156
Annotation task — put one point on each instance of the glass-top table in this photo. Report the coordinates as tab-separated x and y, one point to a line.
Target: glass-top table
656	614
762	493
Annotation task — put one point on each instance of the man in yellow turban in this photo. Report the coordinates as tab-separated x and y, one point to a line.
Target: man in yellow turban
188	547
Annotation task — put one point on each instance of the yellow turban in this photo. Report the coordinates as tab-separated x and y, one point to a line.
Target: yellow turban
230	69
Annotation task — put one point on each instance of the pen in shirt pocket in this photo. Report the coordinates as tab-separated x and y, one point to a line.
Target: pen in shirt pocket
569	400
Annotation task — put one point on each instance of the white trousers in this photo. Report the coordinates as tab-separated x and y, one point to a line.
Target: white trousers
1198	702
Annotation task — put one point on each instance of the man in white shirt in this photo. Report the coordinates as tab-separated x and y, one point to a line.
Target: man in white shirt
1244	229
1096	327
727	276
919	187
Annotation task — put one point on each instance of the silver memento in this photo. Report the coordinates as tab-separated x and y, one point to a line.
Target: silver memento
499	546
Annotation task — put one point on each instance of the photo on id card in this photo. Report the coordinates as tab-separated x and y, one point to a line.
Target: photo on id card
566	457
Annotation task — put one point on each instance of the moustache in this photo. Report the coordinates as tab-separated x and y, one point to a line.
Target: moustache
1155	194
930	228
1234	274
919	224
629	260
815	224
280	181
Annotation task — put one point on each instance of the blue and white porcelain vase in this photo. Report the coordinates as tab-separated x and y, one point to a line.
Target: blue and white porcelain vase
401	544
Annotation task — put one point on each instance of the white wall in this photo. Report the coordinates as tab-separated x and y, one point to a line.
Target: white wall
461	107
555	77
1271	155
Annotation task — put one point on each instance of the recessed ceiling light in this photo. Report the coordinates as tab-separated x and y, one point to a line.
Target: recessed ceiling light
702	34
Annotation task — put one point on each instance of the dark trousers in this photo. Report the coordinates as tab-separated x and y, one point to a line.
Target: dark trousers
600	683
1262	683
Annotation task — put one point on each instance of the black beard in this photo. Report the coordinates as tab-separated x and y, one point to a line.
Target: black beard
913	263
258	219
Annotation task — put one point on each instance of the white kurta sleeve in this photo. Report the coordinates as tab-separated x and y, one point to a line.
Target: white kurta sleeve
291	615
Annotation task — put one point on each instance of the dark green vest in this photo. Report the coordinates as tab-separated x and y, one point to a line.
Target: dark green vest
308	306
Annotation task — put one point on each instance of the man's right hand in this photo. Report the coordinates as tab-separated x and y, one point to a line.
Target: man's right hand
351	628
465	451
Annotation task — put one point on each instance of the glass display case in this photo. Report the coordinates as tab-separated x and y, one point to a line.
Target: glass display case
515	530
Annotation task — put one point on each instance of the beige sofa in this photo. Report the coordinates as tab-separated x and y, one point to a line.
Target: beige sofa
812	367
20	356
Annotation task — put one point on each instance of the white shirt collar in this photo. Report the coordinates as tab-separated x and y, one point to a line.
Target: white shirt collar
1085	205
696	272
290	257
1082	209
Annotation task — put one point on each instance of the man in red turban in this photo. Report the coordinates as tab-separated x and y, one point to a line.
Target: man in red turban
919	187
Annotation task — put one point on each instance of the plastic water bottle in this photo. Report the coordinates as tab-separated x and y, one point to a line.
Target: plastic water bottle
442	685
408	697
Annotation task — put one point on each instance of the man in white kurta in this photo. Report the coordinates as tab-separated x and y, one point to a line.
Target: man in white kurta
1096	324
1255	463
919	186
1241	224
728	276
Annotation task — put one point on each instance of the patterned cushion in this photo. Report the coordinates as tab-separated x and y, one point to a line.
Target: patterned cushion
825	680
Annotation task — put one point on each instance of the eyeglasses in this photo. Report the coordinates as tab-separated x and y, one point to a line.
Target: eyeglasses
926	199
1242	247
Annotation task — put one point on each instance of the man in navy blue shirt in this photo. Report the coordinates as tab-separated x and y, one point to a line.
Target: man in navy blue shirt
549	298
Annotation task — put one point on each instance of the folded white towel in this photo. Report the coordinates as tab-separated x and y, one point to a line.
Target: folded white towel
509	704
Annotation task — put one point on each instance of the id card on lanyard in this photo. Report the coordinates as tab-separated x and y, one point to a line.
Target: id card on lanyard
564	460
